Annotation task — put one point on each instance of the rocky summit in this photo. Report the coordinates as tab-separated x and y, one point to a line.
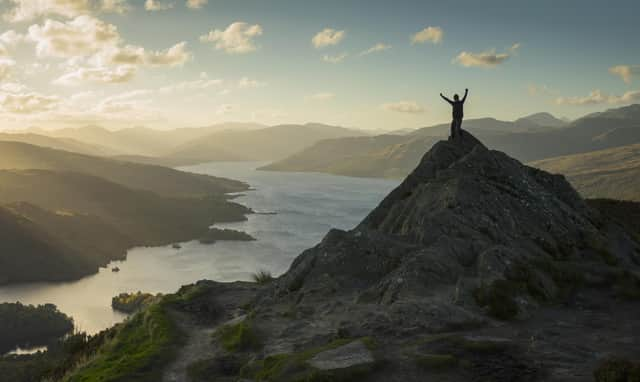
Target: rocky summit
475	268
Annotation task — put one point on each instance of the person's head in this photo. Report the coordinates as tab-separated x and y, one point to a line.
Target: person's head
456	97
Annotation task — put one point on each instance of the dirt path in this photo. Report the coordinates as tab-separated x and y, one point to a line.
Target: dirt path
198	346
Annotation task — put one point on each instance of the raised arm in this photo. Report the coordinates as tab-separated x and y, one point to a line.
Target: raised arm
446	99
466	92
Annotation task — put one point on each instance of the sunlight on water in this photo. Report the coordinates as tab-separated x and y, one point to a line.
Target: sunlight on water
306	207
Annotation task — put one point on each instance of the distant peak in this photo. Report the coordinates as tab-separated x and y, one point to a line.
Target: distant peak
543	119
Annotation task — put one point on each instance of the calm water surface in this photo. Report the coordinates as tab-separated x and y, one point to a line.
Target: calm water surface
306	206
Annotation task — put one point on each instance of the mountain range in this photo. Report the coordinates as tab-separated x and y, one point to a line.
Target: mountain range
184	146
394	156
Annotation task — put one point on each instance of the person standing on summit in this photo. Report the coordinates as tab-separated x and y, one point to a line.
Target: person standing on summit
458	113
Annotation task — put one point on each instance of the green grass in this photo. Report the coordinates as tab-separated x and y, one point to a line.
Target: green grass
262	277
239	337
293	367
499	298
617	370
436	361
141	348
627	286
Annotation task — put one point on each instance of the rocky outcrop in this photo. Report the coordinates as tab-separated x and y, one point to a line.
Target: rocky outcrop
467	233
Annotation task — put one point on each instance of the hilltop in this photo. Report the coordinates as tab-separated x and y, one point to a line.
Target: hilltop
476	267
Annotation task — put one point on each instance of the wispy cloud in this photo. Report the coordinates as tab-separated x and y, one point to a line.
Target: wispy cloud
487	59
157	5
410	107
238	38
327	37
626	72
379	47
26	10
6	65
115	6
322	96
335	59
433	35
596	97
119	74
196	4
248	83
27	103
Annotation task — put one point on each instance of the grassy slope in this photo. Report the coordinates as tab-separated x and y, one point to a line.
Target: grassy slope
612	173
140	347
162	180
143	215
81	222
29	253
139	350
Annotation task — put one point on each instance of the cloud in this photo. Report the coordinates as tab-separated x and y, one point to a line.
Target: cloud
119	74
429	34
196	4
175	56
247	83
81	36
25	10
626	72
238	38
488	59
534	90
6	65
226	108
136	55
335	59
124	103
13	87
410	107
115	6
597	97
27	103
327	37
157	5
379	47
199	84
9	40
322	96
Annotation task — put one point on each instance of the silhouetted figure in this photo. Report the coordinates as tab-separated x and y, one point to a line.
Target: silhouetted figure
458	113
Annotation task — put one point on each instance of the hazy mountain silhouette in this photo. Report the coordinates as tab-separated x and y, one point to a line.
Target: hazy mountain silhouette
361	157
269	143
542	119
66	144
161	180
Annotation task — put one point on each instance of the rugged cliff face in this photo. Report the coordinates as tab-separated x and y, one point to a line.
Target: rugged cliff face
464	222
476	268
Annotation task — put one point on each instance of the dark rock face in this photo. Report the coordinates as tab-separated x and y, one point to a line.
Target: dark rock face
465	218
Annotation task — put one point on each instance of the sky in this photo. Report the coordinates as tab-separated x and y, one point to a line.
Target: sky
368	64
